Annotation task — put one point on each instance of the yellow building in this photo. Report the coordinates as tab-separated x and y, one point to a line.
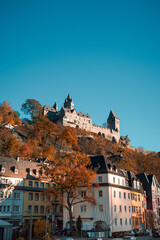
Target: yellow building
34	199
137	201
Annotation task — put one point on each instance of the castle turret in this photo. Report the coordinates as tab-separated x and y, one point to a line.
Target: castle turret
68	103
55	106
113	121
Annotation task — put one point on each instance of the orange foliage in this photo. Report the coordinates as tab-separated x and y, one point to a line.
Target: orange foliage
8	115
39	228
25	151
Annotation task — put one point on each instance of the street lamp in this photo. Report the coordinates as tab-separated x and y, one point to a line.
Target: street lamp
30	227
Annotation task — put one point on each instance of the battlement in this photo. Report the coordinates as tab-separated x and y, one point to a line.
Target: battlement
68	116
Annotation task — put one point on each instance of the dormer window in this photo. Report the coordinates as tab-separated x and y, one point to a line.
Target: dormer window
28	170
14	169
3	170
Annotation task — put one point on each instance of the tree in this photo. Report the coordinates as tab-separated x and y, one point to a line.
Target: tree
70	172
8	115
40	227
33	108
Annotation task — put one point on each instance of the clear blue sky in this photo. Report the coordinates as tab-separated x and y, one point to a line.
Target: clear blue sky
106	54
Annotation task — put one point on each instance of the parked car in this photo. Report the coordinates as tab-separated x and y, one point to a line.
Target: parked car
131	233
129	238
156	233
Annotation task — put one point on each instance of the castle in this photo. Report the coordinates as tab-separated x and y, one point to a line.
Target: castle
68	116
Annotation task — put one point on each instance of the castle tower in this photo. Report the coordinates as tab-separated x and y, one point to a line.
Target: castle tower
68	103
55	106
113	121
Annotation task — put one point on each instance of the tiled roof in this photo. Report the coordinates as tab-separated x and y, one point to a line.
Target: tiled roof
49	108
104	165
86	115
23	167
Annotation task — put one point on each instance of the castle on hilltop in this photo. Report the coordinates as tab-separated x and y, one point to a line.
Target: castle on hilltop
68	116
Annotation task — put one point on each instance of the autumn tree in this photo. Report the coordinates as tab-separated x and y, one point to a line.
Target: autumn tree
70	174
40	227
33	108
8	115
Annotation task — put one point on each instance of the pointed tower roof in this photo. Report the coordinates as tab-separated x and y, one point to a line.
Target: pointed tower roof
112	114
55	106
69	97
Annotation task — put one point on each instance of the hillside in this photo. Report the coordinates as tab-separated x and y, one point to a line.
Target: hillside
40	138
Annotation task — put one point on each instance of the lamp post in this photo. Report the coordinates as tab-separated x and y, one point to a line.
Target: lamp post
30	227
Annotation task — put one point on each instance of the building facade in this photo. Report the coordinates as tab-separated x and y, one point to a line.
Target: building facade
113	197
22	193
152	189
68	116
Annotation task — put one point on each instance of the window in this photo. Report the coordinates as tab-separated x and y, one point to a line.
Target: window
134	184
16	171
125	208
47	185
138	185
100	193
48	198
120	208
118	181
129	209
36	209
135	197
121	221
114	180
0	208
30	208
4	208
8	208
128	195
123	182
139	209
48	210
83	194
119	194
130	221
30	196
115	208
124	195
116	221
114	193
83	208
41	209
36	184
36	196
30	183
15	208
139	198
42	185
101	208
16	195
126	221
42	197
100	179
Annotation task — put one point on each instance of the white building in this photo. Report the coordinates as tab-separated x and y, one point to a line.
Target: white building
113	197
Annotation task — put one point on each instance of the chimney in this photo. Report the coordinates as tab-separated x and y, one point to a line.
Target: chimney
17	158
